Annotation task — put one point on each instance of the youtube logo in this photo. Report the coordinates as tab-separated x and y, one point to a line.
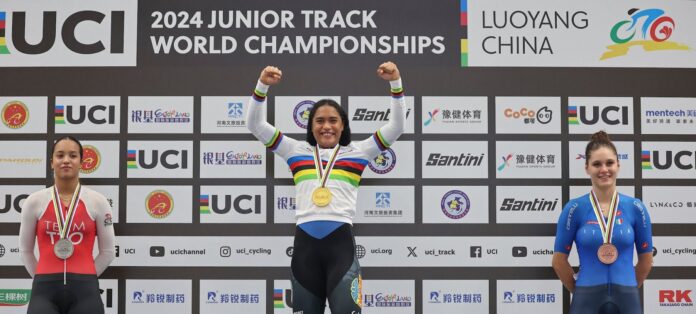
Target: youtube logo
156	251
519	251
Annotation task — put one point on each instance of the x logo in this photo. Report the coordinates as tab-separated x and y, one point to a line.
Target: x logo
411	251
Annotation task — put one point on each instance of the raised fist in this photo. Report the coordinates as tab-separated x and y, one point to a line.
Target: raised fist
270	75
388	71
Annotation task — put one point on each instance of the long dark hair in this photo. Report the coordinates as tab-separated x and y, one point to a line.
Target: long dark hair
66	138
345	134
598	140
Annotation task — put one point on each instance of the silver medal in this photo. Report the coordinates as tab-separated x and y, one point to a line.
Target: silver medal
63	249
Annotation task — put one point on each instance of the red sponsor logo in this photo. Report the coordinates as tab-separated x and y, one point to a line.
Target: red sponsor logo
15	114
675	296
159	204
91	159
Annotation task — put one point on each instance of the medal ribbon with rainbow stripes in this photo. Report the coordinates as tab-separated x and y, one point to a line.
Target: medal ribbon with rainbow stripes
607	252
322	195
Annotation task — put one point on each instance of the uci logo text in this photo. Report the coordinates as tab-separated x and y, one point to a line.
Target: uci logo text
95	114
684	160
13	202
73	33
610	115
169	159
243	204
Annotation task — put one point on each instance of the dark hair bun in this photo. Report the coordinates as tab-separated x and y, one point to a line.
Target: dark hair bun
601	137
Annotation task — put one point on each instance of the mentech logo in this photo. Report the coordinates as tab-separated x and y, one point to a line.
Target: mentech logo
73	33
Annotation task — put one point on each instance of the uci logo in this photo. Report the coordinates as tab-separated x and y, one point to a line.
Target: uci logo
610	115
76	33
678	159
243	204
169	159
13	203
77	114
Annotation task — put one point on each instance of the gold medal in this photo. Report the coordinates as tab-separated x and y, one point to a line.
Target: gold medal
607	253
321	196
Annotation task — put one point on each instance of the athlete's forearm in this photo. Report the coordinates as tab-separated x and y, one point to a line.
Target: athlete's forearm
260	128
395	127
564	271
643	267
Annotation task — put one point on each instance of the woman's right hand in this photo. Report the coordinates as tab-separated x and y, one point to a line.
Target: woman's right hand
270	75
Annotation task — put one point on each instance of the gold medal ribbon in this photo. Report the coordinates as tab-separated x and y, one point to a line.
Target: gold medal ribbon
607	228
323	173
65	221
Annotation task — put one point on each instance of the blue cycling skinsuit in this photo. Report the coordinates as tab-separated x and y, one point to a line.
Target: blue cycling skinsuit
602	288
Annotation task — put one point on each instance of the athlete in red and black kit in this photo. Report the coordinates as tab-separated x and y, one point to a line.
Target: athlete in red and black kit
65	276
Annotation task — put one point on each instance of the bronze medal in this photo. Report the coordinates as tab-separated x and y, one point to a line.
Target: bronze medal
607	253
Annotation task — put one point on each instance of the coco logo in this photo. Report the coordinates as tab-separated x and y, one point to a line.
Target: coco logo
684	160
13	202
169	159
78	33
243	204
610	115
77	114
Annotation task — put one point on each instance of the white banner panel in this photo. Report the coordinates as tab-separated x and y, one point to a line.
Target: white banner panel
85	33
23	159
528	159
577	159
160	114
369	113
108	289
460	115
100	159
546	33
455	204
110	192
450	159
214	251
668	115
455	296
670	204
157	296
233	204
529	296
587	115
536	115
389	296
23	114
10	246
669	296
158	204
88	114
674	251
292	112
15	295
12	197
232	296
668	160
528	204
224	114
285	204
385	204
160	159
232	159
282	297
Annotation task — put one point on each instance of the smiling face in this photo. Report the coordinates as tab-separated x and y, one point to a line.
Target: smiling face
327	126
66	161
602	166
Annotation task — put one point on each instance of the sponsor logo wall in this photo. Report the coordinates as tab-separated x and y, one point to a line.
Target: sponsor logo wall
204	212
